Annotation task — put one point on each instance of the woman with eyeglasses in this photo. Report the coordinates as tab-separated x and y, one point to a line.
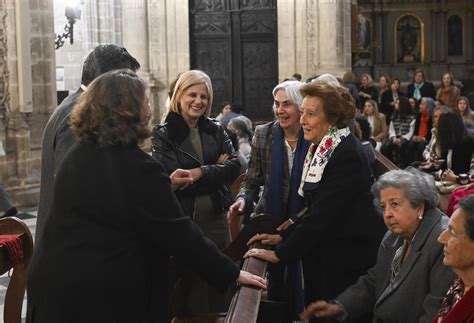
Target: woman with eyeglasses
409	280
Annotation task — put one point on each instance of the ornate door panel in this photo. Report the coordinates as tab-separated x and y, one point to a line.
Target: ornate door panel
235	42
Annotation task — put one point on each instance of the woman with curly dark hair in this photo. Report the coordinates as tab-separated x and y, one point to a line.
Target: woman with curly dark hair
115	215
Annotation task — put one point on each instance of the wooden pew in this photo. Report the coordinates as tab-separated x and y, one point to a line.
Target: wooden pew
16	288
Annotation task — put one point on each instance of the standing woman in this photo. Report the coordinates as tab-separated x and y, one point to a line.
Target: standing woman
188	139
448	93
384	86
339	236
114	221
367	90
378	125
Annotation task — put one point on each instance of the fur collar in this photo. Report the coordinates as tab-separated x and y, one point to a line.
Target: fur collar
178	129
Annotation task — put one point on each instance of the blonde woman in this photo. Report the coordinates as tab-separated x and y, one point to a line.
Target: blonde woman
378	123
448	93
463	109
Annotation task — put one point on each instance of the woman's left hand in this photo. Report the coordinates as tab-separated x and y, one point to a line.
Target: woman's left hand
266	239
448	175
263	254
222	158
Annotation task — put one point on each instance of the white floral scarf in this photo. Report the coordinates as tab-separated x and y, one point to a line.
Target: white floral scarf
318	156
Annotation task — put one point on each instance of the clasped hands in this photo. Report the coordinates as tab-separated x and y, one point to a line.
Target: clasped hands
264	254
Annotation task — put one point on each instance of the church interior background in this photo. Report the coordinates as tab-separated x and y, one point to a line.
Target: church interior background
246	46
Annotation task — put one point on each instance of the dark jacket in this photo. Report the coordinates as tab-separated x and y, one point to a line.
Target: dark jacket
57	140
416	293
385	105
114	225
172	147
427	90
339	238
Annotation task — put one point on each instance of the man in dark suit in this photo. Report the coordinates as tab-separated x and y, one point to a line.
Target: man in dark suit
420	88
57	138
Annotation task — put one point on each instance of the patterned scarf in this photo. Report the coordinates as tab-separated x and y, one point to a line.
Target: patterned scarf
318	156
416	92
455	293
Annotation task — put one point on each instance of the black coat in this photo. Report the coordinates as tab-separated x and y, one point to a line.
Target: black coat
427	90
172	147
338	240
114	225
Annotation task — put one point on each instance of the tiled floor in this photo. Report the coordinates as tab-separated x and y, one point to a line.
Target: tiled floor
4	279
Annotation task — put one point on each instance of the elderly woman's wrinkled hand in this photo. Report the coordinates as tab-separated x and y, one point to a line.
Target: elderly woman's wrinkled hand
266	239
263	254
246	278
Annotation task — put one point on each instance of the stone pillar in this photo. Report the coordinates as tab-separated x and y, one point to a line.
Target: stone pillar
24	122
314	37
168	48
470	32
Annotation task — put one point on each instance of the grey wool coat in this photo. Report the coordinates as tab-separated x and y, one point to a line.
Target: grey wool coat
416	292
57	140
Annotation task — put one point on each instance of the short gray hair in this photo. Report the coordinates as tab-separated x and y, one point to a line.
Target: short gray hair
430	105
418	187
292	90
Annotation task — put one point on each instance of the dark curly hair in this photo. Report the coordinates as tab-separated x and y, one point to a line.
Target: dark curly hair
338	104
112	110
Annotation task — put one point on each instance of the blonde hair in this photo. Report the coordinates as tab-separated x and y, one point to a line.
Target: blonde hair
185	81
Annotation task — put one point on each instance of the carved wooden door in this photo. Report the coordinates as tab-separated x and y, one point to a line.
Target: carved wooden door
235	43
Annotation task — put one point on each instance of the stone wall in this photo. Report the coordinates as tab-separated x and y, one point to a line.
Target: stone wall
28	93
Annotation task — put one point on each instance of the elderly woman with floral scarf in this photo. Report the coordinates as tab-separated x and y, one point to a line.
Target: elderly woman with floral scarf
338	237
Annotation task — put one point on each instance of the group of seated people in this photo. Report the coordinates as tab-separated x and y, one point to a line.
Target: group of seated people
119	212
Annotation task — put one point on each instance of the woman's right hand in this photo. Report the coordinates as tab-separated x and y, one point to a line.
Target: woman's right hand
246	278
266	239
236	209
322	309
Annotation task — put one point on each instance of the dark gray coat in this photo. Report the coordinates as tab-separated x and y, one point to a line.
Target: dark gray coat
57	140
416	293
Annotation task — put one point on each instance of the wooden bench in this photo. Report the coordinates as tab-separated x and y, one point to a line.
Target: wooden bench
16	288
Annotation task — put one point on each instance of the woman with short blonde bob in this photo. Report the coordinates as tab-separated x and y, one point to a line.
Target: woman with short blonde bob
378	123
409	280
114	215
189	139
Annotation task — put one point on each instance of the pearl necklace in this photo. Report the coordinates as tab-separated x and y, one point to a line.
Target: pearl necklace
291	140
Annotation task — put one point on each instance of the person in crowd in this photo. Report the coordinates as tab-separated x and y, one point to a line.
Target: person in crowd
455	146
338	238
387	102
6	204
362	132
225	110
463	109
242	126
378	125
458	242
57	138
114	214
347	81
432	150
420	87
400	131
244	163
367	90
409	280
276	163
423	125
235	111
384	86
296	77
448	93
189	140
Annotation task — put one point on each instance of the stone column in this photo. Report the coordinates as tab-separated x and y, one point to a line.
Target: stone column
168	48
314	37
23	120
470	32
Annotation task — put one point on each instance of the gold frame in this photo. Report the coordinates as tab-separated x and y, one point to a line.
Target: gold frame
422	37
